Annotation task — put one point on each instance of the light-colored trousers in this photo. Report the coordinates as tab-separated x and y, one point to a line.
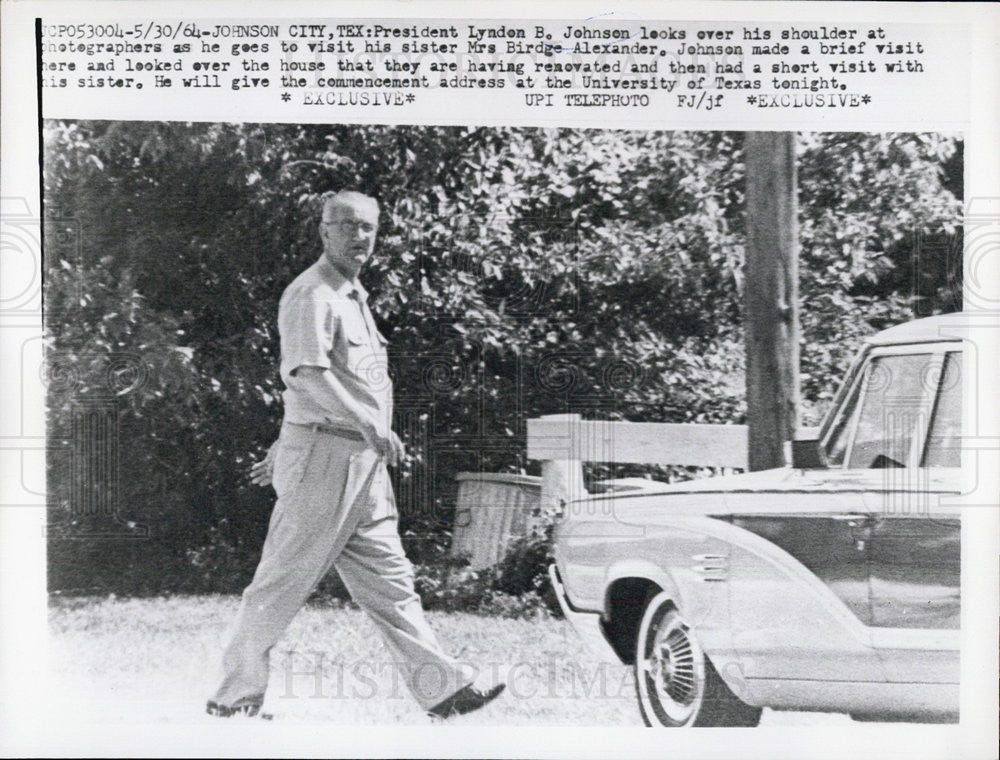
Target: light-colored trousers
335	508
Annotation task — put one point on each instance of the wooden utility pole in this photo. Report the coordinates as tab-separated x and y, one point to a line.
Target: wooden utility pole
771	297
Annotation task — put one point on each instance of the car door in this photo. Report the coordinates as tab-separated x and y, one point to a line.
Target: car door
855	529
916	547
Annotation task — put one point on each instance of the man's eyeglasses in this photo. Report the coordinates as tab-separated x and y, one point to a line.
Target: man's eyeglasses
347	225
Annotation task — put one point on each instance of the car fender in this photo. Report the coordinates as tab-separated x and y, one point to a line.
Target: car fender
641	569
708	615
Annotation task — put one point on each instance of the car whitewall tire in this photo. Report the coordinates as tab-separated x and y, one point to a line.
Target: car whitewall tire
676	683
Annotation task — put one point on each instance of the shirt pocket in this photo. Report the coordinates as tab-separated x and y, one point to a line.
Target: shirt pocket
355	333
291	461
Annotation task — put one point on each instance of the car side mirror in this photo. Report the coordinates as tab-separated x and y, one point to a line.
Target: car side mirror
806	454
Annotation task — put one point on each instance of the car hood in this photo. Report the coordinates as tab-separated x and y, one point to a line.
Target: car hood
787	479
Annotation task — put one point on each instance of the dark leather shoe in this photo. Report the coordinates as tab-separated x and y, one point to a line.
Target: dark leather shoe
244	708
465	700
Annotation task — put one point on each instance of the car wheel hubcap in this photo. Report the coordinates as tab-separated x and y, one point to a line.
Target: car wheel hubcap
676	666
675	671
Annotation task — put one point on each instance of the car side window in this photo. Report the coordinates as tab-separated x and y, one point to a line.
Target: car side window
892	408
944	437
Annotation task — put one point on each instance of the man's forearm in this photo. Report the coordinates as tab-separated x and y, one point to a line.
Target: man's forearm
329	392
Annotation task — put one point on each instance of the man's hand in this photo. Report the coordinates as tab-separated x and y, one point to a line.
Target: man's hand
387	444
398	451
261	472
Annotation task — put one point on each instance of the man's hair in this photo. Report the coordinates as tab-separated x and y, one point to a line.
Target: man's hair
345	198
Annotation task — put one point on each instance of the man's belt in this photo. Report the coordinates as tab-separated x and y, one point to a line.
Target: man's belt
328	427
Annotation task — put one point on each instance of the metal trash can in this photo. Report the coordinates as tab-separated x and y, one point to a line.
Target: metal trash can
492	509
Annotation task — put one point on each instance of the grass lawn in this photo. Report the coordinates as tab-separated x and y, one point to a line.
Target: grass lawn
154	660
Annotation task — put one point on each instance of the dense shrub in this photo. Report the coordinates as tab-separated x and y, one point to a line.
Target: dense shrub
515	588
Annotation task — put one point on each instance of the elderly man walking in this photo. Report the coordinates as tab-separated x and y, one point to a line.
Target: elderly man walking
335	503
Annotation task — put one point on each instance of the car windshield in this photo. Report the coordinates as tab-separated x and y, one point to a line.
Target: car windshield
836	447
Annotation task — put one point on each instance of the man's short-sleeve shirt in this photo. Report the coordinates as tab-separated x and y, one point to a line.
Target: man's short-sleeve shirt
324	321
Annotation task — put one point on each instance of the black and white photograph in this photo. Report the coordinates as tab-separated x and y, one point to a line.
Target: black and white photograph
376	420
412	385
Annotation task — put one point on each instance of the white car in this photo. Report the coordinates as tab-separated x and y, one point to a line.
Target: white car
831	585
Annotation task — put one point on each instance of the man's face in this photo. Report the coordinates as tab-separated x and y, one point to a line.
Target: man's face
348	234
